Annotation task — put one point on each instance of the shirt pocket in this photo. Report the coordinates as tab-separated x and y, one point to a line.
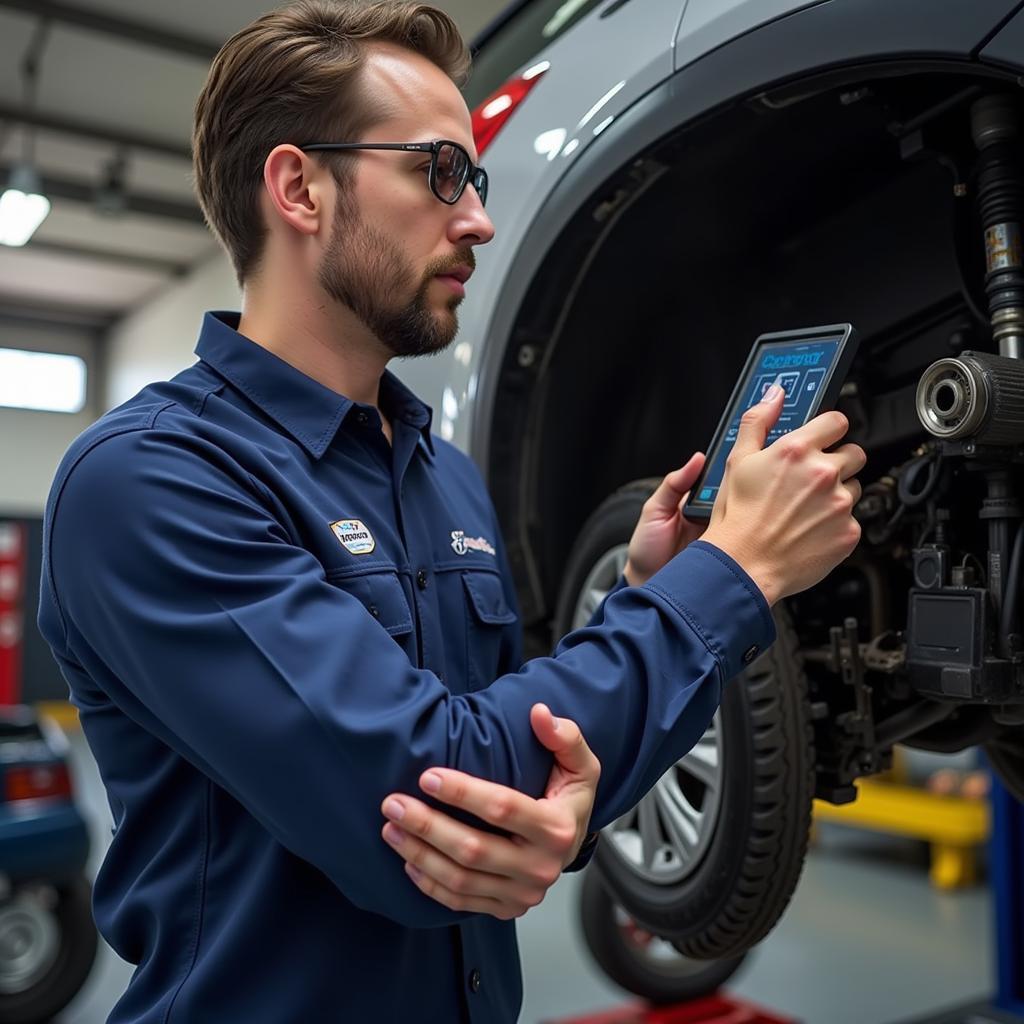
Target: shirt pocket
382	596
487	615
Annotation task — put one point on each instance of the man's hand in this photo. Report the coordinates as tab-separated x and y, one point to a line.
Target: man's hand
468	869
662	532
784	512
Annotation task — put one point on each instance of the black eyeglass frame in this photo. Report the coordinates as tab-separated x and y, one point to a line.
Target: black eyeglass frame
475	174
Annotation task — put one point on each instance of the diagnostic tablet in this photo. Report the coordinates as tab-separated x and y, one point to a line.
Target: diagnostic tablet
810	365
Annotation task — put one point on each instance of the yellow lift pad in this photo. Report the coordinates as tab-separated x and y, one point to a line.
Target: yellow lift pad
953	826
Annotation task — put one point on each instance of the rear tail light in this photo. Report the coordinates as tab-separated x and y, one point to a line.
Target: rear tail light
489	118
37	782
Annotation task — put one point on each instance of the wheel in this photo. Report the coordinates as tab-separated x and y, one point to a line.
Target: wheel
1007	759
711	856
47	947
640	962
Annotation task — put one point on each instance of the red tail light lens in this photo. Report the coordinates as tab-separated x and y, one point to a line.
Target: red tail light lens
493	112
37	782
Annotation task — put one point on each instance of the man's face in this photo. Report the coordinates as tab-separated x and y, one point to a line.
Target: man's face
392	240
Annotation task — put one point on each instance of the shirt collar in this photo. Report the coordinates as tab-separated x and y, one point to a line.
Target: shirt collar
310	412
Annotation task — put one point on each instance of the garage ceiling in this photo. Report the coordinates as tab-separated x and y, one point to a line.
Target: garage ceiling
116	81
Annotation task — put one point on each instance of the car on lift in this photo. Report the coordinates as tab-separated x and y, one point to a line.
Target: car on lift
669	179
48	940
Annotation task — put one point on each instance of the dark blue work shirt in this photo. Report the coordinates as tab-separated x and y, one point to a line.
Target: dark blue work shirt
270	618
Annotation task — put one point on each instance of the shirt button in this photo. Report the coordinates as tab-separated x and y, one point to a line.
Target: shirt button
750	654
374	611
421	580
474	980
361	418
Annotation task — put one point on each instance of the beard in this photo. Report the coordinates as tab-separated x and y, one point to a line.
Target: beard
367	272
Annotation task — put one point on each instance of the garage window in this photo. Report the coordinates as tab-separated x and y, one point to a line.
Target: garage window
45	381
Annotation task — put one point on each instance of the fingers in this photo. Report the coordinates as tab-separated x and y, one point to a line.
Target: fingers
499	805
853	486
671	491
458	842
563	738
464	868
823	431
851	458
757	421
457	890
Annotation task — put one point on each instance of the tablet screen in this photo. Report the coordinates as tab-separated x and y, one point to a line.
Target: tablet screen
802	368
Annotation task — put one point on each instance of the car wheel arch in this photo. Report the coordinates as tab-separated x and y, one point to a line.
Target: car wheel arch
551	263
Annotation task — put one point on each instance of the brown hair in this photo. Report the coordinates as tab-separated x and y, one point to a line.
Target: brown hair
292	76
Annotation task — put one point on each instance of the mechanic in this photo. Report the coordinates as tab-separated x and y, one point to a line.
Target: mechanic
283	607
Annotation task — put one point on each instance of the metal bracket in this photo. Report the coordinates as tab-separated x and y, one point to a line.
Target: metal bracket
846	656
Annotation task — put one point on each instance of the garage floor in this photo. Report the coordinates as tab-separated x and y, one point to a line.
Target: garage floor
865	941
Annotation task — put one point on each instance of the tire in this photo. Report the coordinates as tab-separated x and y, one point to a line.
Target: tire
1006	756
639	962
48	944
747	786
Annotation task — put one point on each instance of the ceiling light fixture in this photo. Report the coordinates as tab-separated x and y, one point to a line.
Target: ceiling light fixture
23	207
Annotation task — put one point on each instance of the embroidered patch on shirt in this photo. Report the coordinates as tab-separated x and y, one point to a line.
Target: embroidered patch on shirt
461	544
355	537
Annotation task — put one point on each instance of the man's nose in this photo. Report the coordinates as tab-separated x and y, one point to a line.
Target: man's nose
470	225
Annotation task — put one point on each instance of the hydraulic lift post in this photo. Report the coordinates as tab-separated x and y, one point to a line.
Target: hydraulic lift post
1007	885
1008	897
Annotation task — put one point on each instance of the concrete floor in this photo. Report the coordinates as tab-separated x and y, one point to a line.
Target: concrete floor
865	941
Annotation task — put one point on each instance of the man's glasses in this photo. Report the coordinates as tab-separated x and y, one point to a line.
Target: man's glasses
450	167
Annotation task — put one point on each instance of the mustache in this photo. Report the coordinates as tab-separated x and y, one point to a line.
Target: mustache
461	258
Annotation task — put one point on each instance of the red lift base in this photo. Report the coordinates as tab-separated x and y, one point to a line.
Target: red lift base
717	1009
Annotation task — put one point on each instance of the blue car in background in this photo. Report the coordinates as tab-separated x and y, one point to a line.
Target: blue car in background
48	939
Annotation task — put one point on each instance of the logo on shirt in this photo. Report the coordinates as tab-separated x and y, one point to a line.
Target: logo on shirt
354	536
461	544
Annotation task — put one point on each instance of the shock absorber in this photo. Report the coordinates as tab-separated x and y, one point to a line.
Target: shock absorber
977	398
1000	195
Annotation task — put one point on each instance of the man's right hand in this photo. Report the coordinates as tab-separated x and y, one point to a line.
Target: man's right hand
784	513
467	869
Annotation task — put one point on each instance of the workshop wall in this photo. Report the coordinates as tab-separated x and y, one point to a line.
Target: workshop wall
158	339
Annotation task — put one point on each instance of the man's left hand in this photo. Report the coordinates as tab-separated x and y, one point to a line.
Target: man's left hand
468	869
662	532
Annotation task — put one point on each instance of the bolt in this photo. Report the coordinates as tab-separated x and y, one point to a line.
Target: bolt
527	356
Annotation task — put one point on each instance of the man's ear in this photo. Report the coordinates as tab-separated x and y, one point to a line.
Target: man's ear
296	186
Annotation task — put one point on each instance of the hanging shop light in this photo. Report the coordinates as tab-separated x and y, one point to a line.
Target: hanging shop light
23	207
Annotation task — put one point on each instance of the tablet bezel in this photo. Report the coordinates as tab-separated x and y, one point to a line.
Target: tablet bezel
826	398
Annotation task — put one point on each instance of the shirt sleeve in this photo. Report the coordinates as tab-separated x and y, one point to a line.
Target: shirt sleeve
514	648
174	580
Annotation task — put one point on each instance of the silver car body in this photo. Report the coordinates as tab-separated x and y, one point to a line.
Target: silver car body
624	71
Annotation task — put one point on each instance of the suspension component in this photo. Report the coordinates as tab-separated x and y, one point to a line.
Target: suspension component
859	723
1000	193
976	395
961	633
